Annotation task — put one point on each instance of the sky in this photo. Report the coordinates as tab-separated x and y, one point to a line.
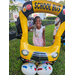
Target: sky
18	1
22	1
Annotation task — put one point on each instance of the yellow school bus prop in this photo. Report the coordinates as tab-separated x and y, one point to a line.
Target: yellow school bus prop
35	53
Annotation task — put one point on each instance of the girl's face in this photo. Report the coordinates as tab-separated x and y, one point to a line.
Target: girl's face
38	22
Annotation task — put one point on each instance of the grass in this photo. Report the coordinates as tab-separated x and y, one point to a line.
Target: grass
14	53
12	24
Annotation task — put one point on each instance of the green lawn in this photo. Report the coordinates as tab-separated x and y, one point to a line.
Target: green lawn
14	53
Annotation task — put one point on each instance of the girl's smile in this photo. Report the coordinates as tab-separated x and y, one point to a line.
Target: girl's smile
38	22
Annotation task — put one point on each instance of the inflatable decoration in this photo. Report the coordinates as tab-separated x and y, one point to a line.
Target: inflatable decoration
44	69
28	69
34	54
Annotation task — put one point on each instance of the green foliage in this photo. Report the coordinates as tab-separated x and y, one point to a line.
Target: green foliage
51	17
12	26
47	22
11	1
62	2
13	8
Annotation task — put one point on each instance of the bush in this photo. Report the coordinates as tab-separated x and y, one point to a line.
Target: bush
12	26
47	22
51	17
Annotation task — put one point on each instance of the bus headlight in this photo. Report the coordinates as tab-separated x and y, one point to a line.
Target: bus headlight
54	54
25	52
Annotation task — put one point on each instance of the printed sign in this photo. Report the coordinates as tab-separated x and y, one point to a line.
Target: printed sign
46	6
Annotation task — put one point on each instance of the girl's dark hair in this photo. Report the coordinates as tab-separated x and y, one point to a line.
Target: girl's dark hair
35	19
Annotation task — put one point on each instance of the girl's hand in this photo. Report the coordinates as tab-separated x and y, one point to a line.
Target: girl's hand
43	43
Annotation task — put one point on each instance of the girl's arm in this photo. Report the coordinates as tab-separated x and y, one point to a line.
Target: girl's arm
31	27
44	36
57	23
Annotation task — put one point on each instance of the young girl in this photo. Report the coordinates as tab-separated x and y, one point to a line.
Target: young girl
38	32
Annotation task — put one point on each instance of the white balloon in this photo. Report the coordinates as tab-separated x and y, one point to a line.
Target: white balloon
28	69
44	69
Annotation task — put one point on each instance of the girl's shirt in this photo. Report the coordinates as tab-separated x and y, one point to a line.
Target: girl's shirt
37	33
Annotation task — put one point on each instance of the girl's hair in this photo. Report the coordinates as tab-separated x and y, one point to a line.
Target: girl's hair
35	19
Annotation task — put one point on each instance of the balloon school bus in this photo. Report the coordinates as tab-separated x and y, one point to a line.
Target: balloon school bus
39	59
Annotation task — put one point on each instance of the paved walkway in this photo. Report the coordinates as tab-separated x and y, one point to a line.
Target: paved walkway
11	21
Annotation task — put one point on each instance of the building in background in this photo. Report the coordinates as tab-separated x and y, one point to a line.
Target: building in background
13	15
42	15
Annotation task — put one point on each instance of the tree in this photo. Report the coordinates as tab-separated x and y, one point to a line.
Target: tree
62	2
26	0
13	8
11	1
